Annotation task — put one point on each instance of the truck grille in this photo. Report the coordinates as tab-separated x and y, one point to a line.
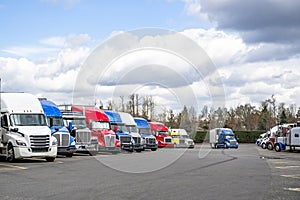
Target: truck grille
168	140
39	143
150	140
181	141
62	139
137	140
232	142
83	137
125	139
110	140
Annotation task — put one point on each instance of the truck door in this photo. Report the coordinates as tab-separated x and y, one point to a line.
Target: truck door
295	138
4	128
221	138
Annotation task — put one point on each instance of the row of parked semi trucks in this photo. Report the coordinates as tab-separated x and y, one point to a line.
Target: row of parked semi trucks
32	127
281	137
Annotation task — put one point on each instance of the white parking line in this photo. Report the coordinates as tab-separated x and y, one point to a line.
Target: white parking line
287	167
293	189
291	175
11	167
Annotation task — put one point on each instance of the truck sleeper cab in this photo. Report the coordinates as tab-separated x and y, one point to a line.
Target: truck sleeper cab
161	133
131	127
24	132
100	127
124	139
65	142
149	141
181	138
289	139
222	137
76	125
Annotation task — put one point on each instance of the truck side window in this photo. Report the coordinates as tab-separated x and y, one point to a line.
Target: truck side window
296	135
4	122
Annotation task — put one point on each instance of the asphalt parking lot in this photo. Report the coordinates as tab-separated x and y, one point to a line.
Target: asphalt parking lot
200	173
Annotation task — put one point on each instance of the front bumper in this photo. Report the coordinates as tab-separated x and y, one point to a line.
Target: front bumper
66	150
138	147
26	152
127	146
169	145
109	149
184	145
86	147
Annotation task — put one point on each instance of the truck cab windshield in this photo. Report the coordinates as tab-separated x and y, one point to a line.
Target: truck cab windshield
132	129
28	120
162	133
56	121
78	123
144	130
100	125
229	137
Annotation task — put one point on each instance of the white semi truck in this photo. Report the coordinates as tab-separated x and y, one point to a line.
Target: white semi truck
24	132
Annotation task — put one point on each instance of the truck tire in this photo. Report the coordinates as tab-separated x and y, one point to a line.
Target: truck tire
50	159
277	148
153	149
225	146
69	155
270	146
10	153
92	153
264	146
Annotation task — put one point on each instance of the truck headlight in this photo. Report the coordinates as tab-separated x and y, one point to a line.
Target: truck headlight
54	142
21	143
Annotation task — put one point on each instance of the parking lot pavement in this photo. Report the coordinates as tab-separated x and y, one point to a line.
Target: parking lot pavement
285	171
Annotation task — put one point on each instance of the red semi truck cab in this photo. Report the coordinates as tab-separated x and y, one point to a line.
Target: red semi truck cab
100	127
161	133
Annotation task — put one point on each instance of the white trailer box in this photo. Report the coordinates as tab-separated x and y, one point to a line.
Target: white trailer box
293	137
133	130
24	132
213	136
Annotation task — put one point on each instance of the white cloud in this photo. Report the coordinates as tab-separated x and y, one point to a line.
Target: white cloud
53	75
54	41
174	83
30	51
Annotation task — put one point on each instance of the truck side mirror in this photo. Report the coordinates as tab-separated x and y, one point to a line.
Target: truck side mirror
70	126
51	122
14	129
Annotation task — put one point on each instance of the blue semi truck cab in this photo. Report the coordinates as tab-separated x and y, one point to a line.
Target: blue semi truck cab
124	139
222	138
66	143
149	141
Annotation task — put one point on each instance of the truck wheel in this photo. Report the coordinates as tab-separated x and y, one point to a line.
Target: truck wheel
50	159
10	153
264	146
277	148
92	153
138	150
270	146
153	149
225	146
69	155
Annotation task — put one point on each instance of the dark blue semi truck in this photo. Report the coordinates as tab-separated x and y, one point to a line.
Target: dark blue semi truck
66	143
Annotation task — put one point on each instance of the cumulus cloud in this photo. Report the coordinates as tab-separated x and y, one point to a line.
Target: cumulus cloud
272	24
53	74
156	66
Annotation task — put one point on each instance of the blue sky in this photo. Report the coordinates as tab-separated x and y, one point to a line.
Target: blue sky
44	43
26	22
